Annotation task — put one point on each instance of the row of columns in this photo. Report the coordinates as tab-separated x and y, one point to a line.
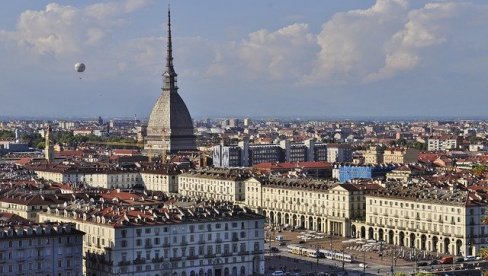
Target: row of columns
308	222
420	241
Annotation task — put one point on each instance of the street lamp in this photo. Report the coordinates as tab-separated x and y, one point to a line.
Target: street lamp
381	249
331	233
364	262
317	253
343	257
393	257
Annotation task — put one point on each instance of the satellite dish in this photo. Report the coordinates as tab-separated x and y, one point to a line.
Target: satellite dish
80	67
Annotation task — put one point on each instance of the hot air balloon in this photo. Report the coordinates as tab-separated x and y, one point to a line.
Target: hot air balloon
80	67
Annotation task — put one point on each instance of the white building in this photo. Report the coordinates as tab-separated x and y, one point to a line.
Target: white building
442	143
214	183
202	239
443	221
339	153
163	179
40	249
307	204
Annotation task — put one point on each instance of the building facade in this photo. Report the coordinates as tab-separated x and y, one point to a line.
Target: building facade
341	153
442	143
345	173
306	204
214	183
245	154
40	249
204	239
400	156
442	221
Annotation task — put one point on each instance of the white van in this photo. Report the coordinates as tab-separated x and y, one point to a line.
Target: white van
279	238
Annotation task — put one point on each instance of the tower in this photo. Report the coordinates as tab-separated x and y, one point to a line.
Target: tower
48	148
170	127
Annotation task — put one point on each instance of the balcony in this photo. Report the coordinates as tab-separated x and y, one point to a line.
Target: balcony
235	239
175	259
210	255
166	244
157	260
183	243
218	240
226	254
139	261
124	263
201	242
194	257
148	245
242	253
255	252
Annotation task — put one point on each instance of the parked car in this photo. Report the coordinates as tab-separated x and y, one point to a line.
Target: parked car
469	258
282	243
459	260
422	263
446	260
274	249
278	273
434	262
301	242
363	265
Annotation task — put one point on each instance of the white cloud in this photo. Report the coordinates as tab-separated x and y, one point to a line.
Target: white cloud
61	30
351	42
277	55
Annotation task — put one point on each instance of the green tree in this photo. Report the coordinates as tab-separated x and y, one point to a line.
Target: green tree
6	134
480	169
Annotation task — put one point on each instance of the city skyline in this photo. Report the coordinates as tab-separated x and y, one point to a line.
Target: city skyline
369	59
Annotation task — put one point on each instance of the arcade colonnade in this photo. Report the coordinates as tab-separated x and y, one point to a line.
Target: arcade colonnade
429	241
325	224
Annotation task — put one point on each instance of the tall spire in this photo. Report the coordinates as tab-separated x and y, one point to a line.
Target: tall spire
169	76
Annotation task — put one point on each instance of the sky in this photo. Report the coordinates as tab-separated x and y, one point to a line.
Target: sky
314	58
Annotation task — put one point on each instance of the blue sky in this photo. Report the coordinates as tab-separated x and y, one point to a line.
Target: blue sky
334	58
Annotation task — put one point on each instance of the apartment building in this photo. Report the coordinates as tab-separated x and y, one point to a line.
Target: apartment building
308	204
339	153
29	205
200	239
155	179
245	154
443	221
442	143
40	249
400	156
373	156
214	183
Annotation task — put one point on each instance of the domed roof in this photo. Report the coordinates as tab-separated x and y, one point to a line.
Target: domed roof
170	116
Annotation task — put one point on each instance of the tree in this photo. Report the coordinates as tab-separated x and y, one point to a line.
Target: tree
6	134
484	252
480	169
